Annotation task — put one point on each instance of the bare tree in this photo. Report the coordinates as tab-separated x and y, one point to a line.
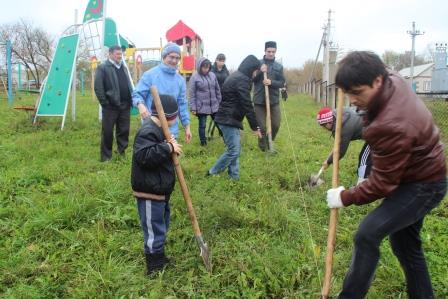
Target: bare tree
398	61
31	46
296	77
429	52
390	58
83	61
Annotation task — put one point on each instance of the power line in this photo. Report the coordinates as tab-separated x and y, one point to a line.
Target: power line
413	34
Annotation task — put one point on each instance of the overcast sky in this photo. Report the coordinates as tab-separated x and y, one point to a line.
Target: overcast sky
238	27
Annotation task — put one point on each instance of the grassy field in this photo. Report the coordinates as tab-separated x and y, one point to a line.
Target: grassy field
69	226
439	110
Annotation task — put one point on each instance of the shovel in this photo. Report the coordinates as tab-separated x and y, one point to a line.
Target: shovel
315	179
268	117
204	250
331	238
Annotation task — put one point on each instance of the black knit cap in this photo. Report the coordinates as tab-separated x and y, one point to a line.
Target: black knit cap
221	57
169	105
270	44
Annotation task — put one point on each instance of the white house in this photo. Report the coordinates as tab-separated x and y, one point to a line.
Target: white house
422	76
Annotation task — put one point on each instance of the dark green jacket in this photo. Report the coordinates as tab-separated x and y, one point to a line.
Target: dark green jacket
275	73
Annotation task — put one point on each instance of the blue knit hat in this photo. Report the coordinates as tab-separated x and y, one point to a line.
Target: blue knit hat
170	48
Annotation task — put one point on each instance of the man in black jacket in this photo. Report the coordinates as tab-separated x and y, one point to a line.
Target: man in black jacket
113	90
235	105
275	80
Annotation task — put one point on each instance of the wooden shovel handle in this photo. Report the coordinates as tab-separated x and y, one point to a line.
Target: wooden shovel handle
331	239
179	172
268	107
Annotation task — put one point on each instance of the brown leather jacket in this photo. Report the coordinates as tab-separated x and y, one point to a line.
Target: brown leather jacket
404	141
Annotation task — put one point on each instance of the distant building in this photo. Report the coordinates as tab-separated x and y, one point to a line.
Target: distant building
440	72
422	76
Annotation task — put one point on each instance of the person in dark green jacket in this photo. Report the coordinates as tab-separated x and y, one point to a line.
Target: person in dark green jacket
275	80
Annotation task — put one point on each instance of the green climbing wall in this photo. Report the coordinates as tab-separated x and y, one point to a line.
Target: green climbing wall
53	101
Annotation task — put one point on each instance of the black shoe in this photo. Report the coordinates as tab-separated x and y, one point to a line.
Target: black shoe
262	143
203	143
155	262
208	174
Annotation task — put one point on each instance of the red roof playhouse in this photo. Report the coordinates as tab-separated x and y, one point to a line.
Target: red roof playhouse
191	44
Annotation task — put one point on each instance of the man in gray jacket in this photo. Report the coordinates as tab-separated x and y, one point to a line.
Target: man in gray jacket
351	130
113	90
275	80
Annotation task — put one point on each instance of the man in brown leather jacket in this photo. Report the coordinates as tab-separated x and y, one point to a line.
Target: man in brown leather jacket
409	172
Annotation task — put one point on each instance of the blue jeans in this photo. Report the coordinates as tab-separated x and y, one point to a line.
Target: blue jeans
202	124
399	217
230	158
155	220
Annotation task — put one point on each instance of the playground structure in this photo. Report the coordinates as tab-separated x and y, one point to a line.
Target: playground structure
191	44
141	59
55	93
62	75
7	86
96	34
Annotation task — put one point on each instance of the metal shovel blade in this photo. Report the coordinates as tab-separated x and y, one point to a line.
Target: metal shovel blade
205	253
315	181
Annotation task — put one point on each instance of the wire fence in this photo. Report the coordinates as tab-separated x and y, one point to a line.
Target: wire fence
439	110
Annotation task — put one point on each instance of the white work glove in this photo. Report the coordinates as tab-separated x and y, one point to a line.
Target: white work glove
334	197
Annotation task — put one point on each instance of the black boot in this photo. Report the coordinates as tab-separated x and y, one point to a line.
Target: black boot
155	262
262	143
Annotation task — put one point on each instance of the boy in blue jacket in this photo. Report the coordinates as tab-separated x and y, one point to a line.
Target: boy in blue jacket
153	179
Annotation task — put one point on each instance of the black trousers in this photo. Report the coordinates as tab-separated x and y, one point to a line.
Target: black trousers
400	217
276	116
121	120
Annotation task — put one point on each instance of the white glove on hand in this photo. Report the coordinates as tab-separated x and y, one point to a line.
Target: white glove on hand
334	197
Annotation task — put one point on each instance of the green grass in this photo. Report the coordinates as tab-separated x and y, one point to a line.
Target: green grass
69	225
439	112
